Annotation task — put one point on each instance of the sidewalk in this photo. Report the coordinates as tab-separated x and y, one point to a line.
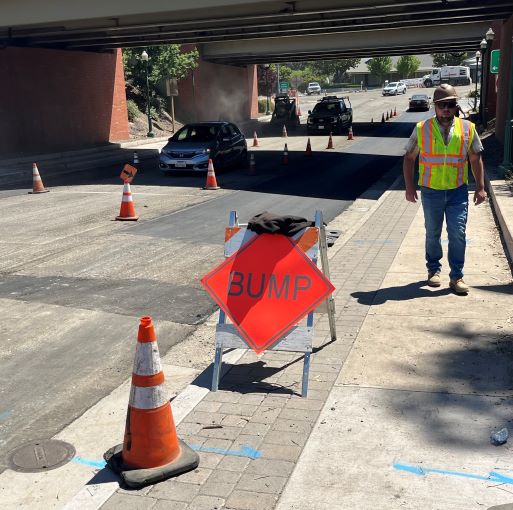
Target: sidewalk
399	410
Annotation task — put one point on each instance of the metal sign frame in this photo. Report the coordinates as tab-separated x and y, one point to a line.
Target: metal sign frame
299	338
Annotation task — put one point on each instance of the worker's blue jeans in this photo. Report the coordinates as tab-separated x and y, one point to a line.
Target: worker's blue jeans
453	205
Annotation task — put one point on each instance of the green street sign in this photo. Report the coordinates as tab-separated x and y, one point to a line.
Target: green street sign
284	86
494	61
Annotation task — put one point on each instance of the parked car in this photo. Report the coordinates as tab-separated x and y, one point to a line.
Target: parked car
191	147
394	88
313	88
331	114
420	102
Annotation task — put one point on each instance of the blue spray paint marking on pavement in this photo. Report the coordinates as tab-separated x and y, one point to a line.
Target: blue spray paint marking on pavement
245	451
100	464
5	415
493	476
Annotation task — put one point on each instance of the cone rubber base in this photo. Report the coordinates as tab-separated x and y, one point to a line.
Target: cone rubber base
212	187
127	218
38	192
135	478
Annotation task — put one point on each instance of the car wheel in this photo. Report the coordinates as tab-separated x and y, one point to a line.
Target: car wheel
404	91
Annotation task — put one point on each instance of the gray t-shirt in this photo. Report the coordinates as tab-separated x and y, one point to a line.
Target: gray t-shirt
476	146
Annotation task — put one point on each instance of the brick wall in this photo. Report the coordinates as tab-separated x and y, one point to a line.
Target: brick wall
54	100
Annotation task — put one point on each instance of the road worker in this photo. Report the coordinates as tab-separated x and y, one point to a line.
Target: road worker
443	144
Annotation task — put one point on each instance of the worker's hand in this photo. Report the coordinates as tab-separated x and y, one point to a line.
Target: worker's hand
479	196
411	195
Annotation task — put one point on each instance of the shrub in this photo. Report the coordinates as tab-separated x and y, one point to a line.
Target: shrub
472	93
133	110
262	105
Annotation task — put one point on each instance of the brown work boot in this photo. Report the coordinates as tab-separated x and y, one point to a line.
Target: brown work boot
434	279
459	286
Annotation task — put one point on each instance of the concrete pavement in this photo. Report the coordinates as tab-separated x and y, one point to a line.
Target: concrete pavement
400	407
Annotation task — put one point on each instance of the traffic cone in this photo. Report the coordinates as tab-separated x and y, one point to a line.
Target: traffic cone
387	117
37	183
372	120
127	210
382	117
255	139
330	143
151	451
285	155
211	177
308	151
395	111
284	132
252	164
350	133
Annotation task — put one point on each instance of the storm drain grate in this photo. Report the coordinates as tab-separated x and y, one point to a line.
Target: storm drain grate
40	455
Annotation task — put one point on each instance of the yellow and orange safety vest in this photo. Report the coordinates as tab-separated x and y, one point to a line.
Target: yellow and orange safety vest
443	166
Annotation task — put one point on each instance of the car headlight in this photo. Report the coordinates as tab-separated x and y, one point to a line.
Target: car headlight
203	152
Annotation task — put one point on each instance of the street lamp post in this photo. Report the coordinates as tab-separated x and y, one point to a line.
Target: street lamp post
486	45
144	58
482	45
478	56
267	67
507	164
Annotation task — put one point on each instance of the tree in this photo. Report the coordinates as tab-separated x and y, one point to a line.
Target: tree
448	59
380	66
334	69
407	65
164	62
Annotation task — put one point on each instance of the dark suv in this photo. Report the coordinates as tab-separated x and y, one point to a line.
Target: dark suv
331	114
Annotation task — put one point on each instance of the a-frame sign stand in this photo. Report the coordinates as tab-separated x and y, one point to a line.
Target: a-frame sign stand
299	338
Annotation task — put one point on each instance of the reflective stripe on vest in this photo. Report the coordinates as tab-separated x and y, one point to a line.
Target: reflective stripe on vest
443	166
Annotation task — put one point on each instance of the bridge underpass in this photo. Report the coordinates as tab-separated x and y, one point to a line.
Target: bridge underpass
233	33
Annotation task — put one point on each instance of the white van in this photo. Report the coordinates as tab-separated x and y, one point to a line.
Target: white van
313	88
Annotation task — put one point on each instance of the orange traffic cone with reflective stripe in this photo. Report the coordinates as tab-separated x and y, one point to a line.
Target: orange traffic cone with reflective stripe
387	117
151	451
37	183
330	143
285	155
395	111
211	177
308	151
255	139
391	113
284	132
127	209
350	133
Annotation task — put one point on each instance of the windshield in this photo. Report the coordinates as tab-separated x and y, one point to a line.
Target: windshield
419	97
196	133
313	84
327	108
393	84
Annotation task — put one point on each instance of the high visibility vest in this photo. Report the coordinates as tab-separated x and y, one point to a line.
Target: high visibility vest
443	166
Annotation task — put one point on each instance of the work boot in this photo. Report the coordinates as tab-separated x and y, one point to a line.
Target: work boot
459	286
434	279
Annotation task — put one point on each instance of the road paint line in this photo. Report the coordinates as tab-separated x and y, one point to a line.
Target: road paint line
245	451
98	464
5	415
492	476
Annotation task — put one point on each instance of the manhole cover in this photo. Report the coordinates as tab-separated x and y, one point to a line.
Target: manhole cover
41	455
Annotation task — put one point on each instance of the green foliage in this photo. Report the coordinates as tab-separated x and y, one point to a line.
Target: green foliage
133	110
380	66
334	69
448	59
472	93
407	65
262	105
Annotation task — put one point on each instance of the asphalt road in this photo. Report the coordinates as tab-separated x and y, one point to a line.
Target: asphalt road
74	281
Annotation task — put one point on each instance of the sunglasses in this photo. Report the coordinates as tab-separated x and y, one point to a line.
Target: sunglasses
446	104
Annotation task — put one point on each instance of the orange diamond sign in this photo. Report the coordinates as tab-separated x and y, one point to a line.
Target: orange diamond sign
266	288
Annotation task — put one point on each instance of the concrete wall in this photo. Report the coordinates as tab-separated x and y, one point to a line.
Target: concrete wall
504	73
54	100
218	92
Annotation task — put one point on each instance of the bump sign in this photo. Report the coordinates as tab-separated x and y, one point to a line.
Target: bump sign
266	288
128	173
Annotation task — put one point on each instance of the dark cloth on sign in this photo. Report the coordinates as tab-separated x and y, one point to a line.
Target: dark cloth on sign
269	223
